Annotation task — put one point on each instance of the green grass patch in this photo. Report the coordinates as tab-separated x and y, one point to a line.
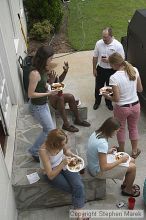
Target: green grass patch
87	19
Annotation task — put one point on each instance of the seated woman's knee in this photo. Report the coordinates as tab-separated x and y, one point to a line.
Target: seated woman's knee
132	160
132	167
70	97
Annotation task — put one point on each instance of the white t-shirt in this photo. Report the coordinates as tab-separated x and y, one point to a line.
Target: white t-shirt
128	88
102	49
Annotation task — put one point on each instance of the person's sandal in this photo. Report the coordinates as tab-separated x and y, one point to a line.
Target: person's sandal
70	128
82	123
135	187
137	154
133	194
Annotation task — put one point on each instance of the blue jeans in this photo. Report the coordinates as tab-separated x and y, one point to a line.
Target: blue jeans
42	114
71	183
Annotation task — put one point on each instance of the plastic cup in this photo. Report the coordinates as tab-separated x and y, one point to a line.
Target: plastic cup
60	93
131	203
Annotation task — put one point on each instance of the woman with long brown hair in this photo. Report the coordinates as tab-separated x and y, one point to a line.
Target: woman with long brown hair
97	158
125	84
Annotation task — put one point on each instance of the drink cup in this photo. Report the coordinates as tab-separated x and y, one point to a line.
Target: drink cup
60	93
131	203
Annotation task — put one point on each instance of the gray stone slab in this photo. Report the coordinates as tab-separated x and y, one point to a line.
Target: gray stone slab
42	195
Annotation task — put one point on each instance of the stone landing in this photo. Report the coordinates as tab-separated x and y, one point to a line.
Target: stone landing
41	195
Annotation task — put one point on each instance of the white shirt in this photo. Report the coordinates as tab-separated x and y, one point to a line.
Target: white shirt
54	160
127	88
102	49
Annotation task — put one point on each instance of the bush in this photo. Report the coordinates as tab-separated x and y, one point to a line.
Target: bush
41	30
39	10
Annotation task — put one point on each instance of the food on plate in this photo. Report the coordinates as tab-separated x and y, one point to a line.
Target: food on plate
106	89
118	156
57	86
75	163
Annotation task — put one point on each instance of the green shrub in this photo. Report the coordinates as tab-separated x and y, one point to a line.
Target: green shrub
39	10
41	30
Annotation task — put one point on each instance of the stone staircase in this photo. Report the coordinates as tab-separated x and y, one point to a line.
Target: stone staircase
40	194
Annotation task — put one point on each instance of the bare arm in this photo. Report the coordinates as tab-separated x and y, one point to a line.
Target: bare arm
104	166
34	78
51	173
65	70
68	152
95	60
139	85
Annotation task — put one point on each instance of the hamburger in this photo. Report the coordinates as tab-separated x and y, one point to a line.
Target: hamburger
57	86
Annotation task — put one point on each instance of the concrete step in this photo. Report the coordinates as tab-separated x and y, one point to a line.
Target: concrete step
41	194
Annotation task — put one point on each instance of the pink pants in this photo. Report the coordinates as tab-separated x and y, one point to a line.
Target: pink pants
131	115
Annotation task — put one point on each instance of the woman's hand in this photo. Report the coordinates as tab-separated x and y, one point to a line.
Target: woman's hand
113	150
52	92
66	160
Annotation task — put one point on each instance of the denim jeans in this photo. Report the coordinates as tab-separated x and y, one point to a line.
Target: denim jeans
42	114
71	183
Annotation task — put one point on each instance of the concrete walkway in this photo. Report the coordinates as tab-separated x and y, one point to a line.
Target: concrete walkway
80	82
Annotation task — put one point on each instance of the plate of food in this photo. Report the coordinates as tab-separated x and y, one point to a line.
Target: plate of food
106	89
76	164
57	86
121	154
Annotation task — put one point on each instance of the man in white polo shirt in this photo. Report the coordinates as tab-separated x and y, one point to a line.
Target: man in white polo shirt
101	68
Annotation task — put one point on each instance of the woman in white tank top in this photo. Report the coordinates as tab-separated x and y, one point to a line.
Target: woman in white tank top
125	83
53	160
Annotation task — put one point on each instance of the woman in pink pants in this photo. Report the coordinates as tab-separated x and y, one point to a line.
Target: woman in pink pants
125	84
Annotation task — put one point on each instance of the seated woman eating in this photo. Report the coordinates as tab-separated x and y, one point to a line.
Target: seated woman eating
54	156
98	166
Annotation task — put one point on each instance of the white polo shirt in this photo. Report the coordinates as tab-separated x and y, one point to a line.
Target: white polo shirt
102	49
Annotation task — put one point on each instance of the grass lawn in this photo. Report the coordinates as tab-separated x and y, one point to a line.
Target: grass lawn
87	19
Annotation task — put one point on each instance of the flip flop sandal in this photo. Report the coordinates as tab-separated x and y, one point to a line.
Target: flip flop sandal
135	187
82	123
136	155
70	128
134	194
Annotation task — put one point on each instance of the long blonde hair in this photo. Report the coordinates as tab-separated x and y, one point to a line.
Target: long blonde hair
117	59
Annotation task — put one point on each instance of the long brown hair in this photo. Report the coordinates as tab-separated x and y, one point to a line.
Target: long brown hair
108	127
41	56
54	139
117	59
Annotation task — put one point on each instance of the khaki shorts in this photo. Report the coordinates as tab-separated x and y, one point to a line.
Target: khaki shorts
115	173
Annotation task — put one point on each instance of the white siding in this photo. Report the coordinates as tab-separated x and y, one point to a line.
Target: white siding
7	203
12	45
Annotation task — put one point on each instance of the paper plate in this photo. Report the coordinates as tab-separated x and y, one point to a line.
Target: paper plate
123	154
103	89
79	166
